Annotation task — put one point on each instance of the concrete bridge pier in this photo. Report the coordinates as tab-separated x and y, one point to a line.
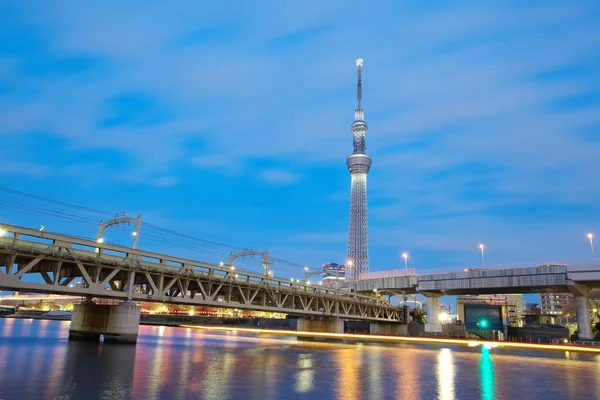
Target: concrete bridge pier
321	325
584	324
388	328
116	323
433	309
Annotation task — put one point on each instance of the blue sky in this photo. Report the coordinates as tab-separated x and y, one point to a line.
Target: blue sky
231	122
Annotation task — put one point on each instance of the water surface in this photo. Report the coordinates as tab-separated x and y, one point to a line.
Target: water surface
38	362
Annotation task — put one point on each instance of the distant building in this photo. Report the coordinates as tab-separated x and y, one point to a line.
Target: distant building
516	309
461	301
512	306
533	309
554	303
333	272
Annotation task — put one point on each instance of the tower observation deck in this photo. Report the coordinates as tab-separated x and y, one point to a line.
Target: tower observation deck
359	163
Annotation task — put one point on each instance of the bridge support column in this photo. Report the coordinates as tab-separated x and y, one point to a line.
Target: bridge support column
383	328
433	310
321	325
584	324
117	323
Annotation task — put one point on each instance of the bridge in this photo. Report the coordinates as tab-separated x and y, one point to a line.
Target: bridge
575	279
44	262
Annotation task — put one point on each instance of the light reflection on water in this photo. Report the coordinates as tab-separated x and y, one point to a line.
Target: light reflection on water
37	361
445	374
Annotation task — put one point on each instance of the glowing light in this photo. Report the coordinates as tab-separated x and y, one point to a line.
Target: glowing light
232	268
590	236
306	269
308	282
100	240
237	276
483	323
405	256
443	317
221	263
481	246
414	339
320	282
3	232
359	62
350	263
134	233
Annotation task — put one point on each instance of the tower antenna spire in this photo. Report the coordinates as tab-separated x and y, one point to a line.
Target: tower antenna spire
359	164
359	64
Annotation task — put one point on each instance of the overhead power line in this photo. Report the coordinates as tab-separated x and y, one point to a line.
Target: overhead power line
34	204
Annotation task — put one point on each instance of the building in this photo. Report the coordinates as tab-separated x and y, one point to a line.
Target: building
533	309
333	273
461	301
554	303
516	309
513	306
359	164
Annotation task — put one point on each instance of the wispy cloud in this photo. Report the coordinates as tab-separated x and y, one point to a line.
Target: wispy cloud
483	117
278	176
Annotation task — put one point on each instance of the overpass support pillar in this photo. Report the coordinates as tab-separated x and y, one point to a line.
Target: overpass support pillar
433	309
584	323
321	325
117	323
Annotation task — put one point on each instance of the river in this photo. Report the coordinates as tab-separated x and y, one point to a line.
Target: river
38	362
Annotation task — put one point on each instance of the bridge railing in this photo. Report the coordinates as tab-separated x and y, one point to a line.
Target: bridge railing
394	273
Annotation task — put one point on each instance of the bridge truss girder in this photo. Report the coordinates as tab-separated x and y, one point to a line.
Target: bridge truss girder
65	260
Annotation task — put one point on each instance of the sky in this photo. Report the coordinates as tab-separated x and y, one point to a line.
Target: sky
230	121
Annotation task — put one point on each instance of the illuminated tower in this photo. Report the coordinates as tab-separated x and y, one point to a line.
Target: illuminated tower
357	260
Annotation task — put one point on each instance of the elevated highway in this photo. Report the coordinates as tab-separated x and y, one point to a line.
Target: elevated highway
575	279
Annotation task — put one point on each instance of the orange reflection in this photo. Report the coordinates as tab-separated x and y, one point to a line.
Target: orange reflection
348	379
408	370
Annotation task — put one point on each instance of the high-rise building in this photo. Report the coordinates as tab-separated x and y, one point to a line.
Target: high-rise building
359	163
332	273
553	303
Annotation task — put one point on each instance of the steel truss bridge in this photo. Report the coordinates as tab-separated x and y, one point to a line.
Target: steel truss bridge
44	262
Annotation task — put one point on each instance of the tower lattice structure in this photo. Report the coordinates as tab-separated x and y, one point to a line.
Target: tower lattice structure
359	163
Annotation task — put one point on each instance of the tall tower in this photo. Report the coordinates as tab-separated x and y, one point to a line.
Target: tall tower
357	257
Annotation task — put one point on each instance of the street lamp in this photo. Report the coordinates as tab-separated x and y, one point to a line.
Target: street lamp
405	256
481	247
590	236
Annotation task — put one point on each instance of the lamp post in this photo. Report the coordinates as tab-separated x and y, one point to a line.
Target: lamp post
590	236
405	256
481	247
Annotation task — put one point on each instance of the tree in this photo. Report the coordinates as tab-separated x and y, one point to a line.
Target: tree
419	316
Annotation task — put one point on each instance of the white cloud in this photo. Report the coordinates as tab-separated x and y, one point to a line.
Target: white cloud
278	176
